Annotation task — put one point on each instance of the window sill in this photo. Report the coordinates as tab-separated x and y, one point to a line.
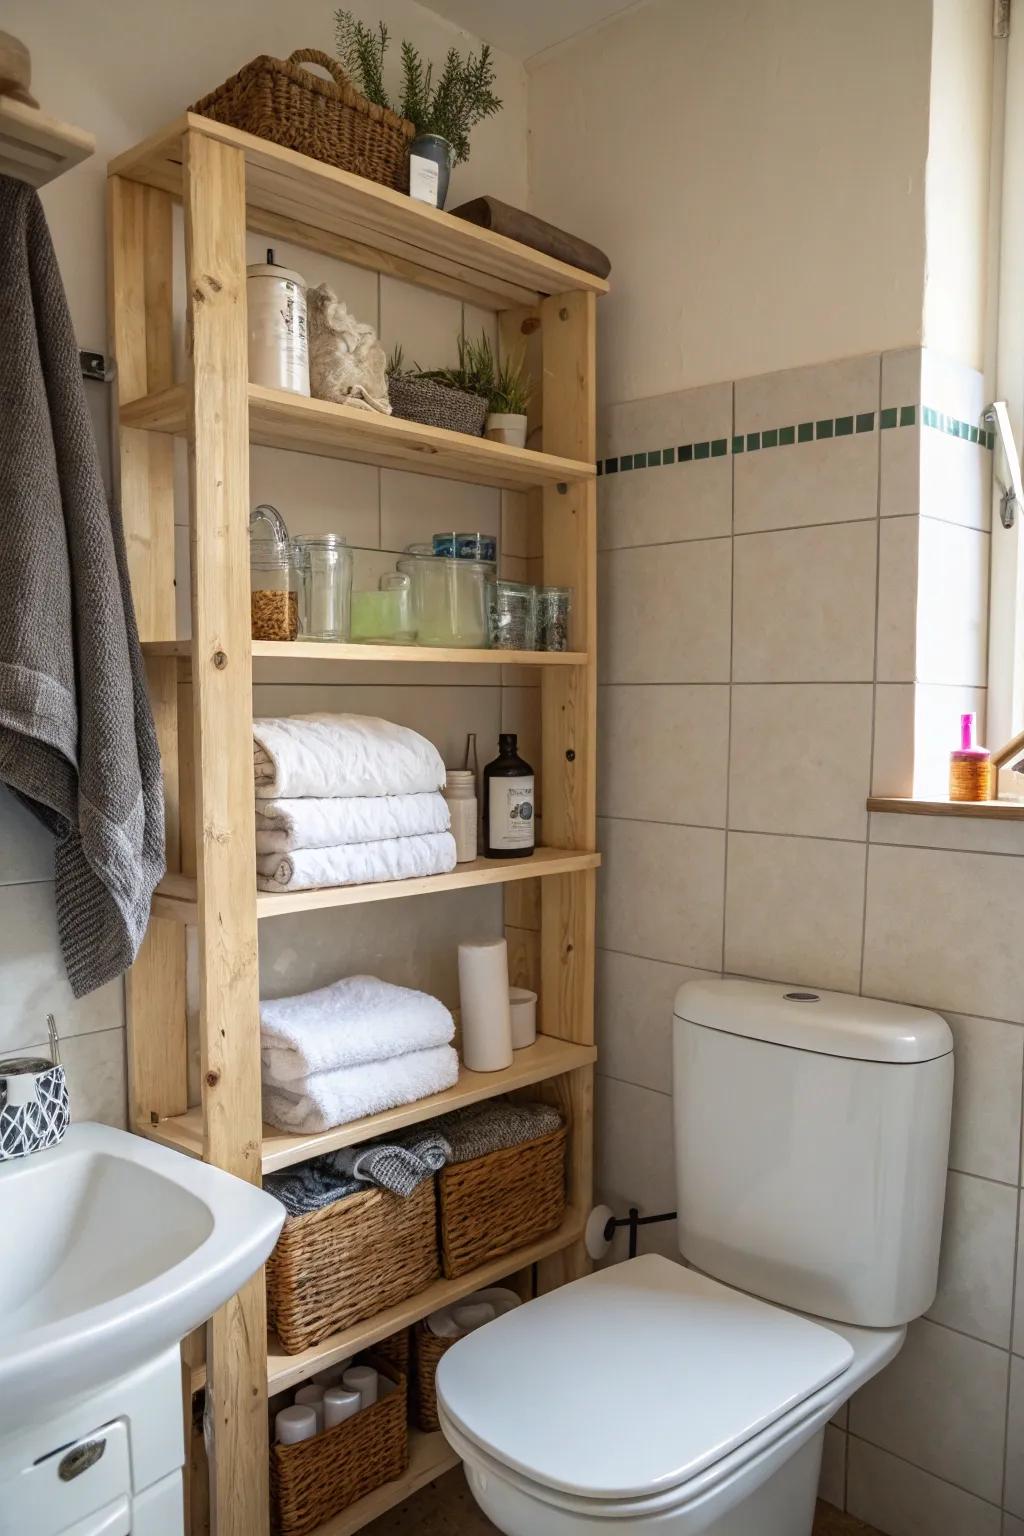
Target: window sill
984	810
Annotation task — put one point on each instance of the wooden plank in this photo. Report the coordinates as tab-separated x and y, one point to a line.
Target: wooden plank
214	198
281	420
534	1064
984	810
414	655
157	1027
280	181
37	148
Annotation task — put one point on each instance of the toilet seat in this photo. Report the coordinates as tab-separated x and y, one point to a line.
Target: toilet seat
636	1388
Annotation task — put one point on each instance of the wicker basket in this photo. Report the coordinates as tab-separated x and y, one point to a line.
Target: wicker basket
315	1480
276	99
397	1349
334	1267
437	405
500	1202
428	1352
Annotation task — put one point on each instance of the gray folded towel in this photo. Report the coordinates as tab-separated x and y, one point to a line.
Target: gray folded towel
492	1127
310	1186
399	1165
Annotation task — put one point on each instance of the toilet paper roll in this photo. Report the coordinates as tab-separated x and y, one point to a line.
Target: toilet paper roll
486	1015
362	1379
523	1005
340	1404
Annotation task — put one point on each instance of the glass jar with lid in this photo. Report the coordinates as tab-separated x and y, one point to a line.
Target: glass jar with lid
274	578
448	598
325	562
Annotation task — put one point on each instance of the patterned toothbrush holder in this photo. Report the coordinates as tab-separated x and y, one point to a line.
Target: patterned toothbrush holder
34	1111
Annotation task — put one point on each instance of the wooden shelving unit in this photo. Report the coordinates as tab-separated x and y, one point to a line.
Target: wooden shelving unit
201	693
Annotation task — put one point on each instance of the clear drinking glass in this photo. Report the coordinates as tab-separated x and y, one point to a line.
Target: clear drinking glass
512	616
554	607
326	565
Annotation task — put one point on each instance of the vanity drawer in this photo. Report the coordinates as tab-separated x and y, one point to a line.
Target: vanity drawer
61	1490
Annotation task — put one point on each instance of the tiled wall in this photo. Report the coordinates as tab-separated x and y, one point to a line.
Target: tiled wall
787	611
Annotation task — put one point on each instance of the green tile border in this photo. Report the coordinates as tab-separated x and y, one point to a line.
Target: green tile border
893	416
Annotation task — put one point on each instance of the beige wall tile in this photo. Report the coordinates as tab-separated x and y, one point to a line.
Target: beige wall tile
664	613
805	605
95	1067
960	834
895	1497
893	766
635	1000
1012	1526
663	752
26	848
34	979
807	394
666	421
318	495
952	604
660	891
832	1480
793	910
940	1404
940	930
800	758
635	1160
1018	1306
426	325
1015	1441
956	478
989	1057
979	1235
897	588
665	504
415	507
831	480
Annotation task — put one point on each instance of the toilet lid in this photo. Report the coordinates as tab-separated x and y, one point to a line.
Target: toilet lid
633	1379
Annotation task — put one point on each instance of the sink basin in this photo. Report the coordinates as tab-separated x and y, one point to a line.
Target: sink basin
114	1248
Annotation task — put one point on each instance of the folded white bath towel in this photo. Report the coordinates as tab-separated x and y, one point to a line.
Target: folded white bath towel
353	1021
283	825
334	1098
329	755
395	858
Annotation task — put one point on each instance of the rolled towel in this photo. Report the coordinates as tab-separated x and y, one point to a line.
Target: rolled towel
326	756
396	858
482	1128
285	825
327	1099
347	1024
398	1165
310	1186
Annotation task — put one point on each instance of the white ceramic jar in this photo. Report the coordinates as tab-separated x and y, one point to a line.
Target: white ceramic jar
275	300
460	793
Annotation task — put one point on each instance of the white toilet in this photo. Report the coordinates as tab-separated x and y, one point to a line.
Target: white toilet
811	1134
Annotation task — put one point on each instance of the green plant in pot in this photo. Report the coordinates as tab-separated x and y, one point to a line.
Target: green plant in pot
444	113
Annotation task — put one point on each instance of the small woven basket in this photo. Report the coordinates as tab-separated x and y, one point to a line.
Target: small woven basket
397	1348
500	1202
330	120
429	1350
315	1480
437	405
357	1257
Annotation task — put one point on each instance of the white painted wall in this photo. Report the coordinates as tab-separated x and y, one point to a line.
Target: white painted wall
755	169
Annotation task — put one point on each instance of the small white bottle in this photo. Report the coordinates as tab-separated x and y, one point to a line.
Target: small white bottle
312	1396
294	1424
364	1380
340	1404
460	793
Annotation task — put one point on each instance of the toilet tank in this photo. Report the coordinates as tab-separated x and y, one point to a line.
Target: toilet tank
811	1143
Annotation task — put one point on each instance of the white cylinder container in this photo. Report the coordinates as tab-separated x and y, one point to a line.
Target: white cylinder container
294	1424
340	1404
460	793
275	300
486	1015
523	1005
312	1396
364	1380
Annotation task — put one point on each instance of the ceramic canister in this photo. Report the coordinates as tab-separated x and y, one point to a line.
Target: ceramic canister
278	339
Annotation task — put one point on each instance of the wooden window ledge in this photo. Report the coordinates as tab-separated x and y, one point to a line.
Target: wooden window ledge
984	810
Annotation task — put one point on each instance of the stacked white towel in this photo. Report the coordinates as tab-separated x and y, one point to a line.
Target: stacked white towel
353	1048
347	800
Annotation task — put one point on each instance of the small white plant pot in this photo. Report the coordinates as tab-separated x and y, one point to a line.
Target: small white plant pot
510	430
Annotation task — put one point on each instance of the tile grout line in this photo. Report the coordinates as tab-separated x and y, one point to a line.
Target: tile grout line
896	1456
732	653
1015	1302
874	692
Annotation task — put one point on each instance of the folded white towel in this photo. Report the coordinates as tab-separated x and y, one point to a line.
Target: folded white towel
353	1021
283	825
330	755
334	1098
396	858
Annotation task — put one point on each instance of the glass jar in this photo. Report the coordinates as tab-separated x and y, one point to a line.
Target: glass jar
274	577
384	617
448	599
554	606
512	616
326	565
466	546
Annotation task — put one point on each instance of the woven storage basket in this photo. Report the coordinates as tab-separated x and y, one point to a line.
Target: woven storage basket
330	120
397	1349
500	1202
357	1257
436	405
315	1480
428	1349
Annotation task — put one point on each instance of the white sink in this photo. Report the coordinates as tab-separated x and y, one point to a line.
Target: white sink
113	1248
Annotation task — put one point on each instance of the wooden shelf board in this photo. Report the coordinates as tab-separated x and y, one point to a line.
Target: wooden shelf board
176	894
37	148
281	420
430	1456
430	655
549	1057
304	197
984	810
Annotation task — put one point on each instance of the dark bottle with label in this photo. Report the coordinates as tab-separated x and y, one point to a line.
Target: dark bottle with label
509	825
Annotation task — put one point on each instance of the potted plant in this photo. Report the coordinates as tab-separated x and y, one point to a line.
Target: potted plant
507	401
443	113
443	397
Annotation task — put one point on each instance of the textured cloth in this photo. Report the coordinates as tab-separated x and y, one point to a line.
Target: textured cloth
325	756
396	858
399	1165
285	825
334	1098
77	742
482	1128
347	1024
